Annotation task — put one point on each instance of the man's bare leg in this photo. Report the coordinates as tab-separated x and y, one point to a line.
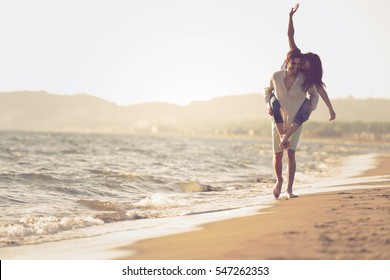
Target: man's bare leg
291	168
278	166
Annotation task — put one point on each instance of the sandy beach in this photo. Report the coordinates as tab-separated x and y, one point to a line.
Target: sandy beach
352	224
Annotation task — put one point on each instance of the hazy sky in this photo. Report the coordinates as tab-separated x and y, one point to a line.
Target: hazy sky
132	51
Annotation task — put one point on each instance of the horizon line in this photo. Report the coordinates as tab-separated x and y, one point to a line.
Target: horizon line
350	97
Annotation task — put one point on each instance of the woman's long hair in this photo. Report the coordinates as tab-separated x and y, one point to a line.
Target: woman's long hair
314	75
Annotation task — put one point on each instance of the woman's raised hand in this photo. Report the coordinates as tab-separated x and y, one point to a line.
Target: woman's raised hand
294	9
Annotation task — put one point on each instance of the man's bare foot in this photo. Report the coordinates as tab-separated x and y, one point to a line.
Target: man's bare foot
278	189
291	195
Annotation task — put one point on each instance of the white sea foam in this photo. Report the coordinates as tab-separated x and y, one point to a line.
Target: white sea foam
160	201
30	225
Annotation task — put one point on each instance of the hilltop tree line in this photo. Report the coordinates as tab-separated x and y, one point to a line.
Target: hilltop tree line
360	131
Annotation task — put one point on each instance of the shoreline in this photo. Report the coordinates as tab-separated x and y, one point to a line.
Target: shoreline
118	240
343	224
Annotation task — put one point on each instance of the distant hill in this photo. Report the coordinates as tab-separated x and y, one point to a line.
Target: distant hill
42	111
352	110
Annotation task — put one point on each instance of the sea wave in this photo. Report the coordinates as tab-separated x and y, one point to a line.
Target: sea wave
160	201
31	225
188	187
38	176
126	175
101	205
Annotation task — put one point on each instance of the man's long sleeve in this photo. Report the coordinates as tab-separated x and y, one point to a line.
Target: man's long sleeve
267	92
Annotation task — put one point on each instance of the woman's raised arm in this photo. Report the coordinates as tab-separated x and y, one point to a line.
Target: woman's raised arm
291	31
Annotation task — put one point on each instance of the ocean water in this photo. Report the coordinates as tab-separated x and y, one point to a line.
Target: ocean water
53	184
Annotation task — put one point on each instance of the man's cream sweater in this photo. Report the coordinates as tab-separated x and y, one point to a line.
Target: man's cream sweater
290	100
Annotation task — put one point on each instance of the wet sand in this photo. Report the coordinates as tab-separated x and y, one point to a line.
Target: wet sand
352	224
